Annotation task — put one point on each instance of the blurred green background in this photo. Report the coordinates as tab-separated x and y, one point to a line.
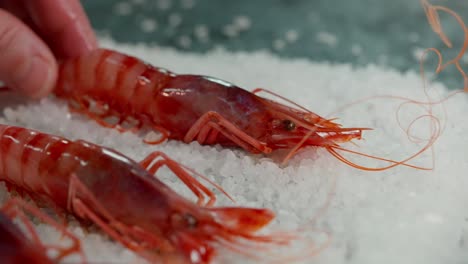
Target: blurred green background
390	33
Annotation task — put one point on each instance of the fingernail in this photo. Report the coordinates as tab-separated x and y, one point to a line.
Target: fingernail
38	79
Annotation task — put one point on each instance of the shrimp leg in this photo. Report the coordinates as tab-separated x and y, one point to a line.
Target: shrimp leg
12	209
213	121
164	135
83	108
100	116
152	166
128	237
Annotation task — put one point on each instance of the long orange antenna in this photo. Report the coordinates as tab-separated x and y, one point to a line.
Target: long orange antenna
433	18
357	166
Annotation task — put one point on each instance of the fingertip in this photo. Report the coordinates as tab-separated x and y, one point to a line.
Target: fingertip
35	77
69	31
41	78
26	65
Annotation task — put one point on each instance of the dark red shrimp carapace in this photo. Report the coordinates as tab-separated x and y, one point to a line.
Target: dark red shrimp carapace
17	248
191	107
124	198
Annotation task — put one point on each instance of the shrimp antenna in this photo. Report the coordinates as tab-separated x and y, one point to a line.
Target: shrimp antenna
258	90
332	150
309	118
433	19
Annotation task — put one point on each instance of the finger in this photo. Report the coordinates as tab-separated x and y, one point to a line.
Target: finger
68	30
26	65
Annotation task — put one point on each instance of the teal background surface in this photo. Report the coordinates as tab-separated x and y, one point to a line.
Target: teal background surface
383	32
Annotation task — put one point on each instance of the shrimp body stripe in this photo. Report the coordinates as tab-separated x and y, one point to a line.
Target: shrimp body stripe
132	82
49	162
30	160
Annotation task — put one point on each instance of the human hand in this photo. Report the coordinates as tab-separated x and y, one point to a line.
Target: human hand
33	35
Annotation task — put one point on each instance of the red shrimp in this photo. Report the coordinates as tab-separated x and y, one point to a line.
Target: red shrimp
16	248
191	107
124	198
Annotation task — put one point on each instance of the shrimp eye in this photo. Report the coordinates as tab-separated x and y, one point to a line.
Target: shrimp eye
289	125
190	220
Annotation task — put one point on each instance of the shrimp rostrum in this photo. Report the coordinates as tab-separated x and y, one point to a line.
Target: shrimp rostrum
107	83
124	198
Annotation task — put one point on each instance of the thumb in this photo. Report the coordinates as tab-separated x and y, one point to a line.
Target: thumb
26	63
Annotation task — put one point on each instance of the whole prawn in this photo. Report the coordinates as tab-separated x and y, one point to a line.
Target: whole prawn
124	198
16	248
191	107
